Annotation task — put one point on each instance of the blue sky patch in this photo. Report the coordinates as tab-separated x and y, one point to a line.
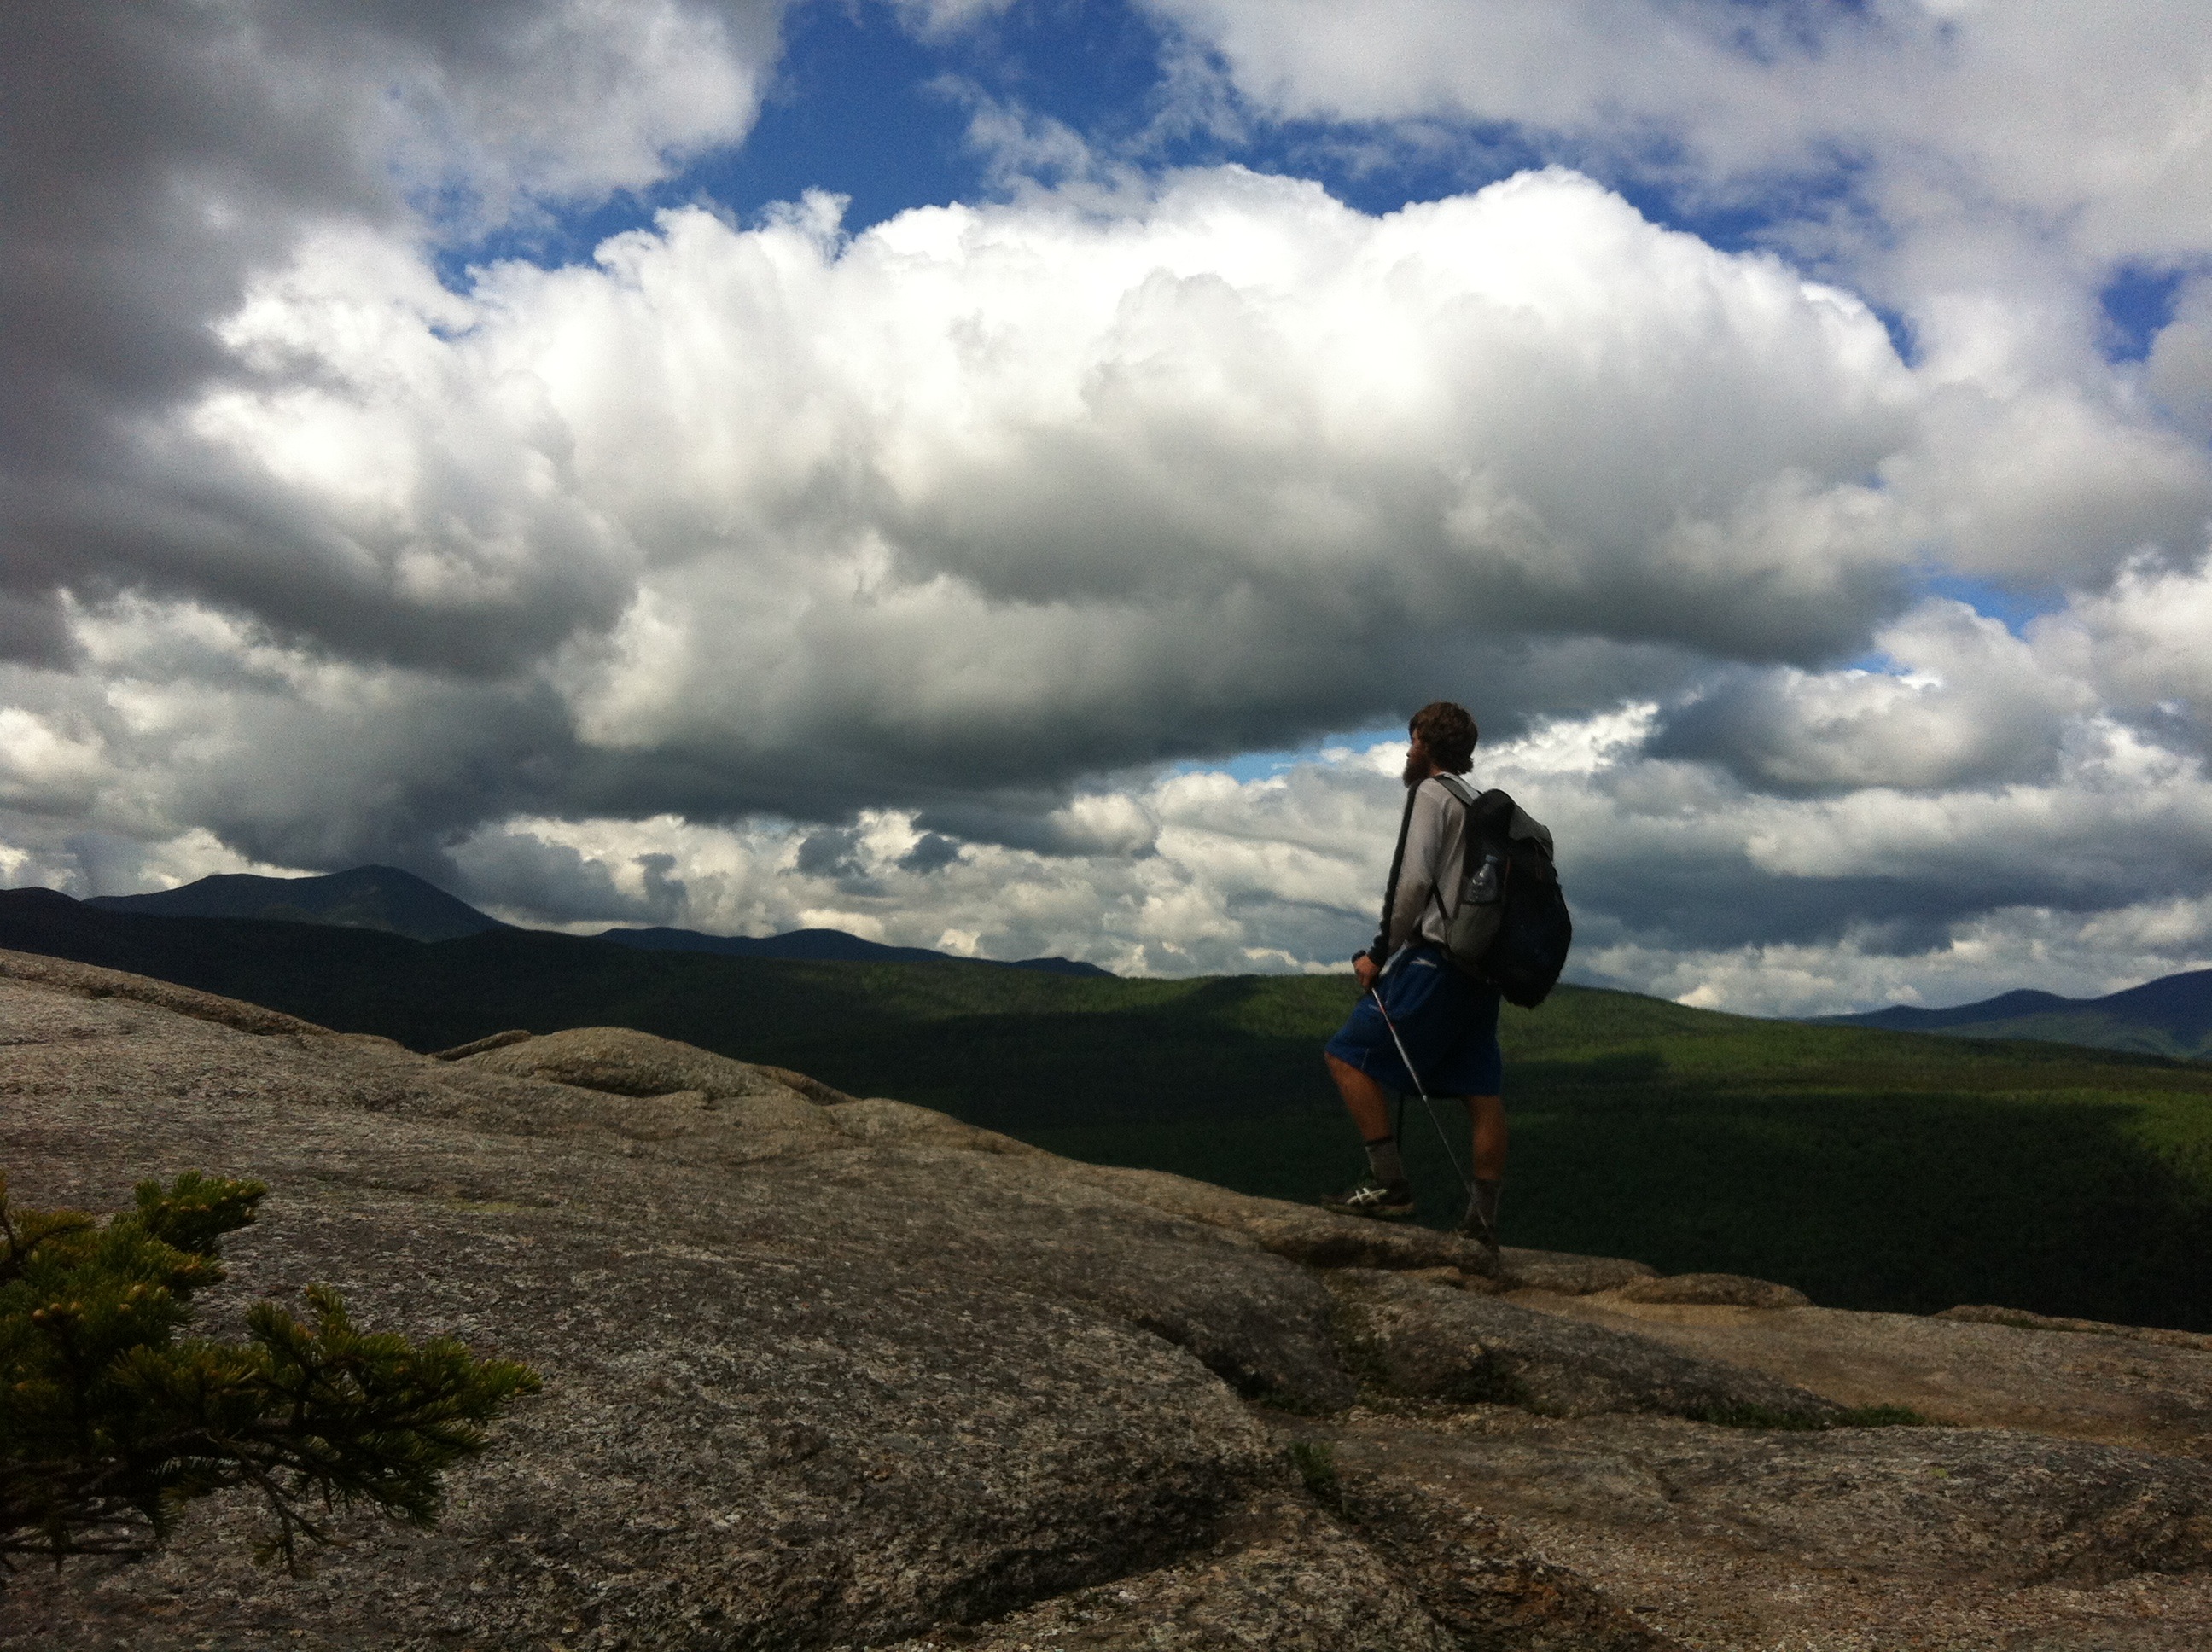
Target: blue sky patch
862	107
2138	303
1264	765
2014	606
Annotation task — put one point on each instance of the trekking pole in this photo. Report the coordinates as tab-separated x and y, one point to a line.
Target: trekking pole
1465	1186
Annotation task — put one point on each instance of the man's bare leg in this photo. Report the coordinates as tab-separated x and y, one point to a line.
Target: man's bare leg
1486	1118
1362	1098
1386	1193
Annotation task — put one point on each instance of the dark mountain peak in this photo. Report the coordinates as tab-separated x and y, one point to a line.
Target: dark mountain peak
361	897
2171	1015
821	946
2180	1005
1060	966
1910	1018
2022	1000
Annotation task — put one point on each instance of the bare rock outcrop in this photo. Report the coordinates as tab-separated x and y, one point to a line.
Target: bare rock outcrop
2111	1390
1482	1584
1284	1576
91	981
824	1372
1876	1538
1417	1337
1301	1233
1570	1276
1713	1291
617	1061
2019	1320
841	1392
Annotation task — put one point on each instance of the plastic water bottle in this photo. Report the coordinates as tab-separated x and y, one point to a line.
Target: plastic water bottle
1482	882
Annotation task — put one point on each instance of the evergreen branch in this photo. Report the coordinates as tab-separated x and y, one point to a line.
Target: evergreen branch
108	1423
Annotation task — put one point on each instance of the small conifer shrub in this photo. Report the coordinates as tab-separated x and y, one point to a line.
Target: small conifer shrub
110	1422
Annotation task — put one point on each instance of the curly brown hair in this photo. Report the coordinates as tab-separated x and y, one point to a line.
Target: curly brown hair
1449	733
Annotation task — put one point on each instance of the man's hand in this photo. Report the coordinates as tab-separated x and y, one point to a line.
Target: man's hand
1366	969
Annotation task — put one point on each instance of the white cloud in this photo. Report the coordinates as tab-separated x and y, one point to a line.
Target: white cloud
1968	704
487	99
2090	116
1052	475
2179	372
1263	874
2144	642
946	17
2054	950
42	760
167	158
1982	171
1682	885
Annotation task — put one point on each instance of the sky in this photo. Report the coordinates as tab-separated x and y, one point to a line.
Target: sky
998	475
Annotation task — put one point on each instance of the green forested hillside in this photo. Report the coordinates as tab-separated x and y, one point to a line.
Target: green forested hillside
1869	1168
2098	1029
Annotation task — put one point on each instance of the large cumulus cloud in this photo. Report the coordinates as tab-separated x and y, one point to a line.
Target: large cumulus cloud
950	513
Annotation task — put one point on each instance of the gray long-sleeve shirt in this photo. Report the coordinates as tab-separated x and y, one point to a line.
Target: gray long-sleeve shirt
1433	836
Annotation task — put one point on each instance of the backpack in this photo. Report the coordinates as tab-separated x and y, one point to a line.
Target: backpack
1511	929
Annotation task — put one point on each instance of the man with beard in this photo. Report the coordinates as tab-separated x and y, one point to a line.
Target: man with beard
1447	1023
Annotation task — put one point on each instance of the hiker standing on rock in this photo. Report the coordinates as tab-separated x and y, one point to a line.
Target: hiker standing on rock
1447	1022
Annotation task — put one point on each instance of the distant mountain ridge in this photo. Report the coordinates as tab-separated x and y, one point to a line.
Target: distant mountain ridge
400	903
820	946
365	897
2171	1015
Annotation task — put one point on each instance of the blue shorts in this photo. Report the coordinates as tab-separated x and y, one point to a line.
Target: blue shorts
1449	1023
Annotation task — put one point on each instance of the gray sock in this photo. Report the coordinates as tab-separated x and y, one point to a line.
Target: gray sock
1482	1206
1383	1161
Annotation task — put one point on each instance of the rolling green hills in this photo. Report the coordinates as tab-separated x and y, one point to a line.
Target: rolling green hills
1868	1168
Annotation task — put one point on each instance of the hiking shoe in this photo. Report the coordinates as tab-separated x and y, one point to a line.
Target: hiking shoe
1387	1201
1473	1228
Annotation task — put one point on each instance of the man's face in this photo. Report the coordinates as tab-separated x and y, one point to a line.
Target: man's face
1416	762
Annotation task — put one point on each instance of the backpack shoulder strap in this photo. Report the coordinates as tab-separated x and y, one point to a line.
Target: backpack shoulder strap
1495	814
1379	949
1458	788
